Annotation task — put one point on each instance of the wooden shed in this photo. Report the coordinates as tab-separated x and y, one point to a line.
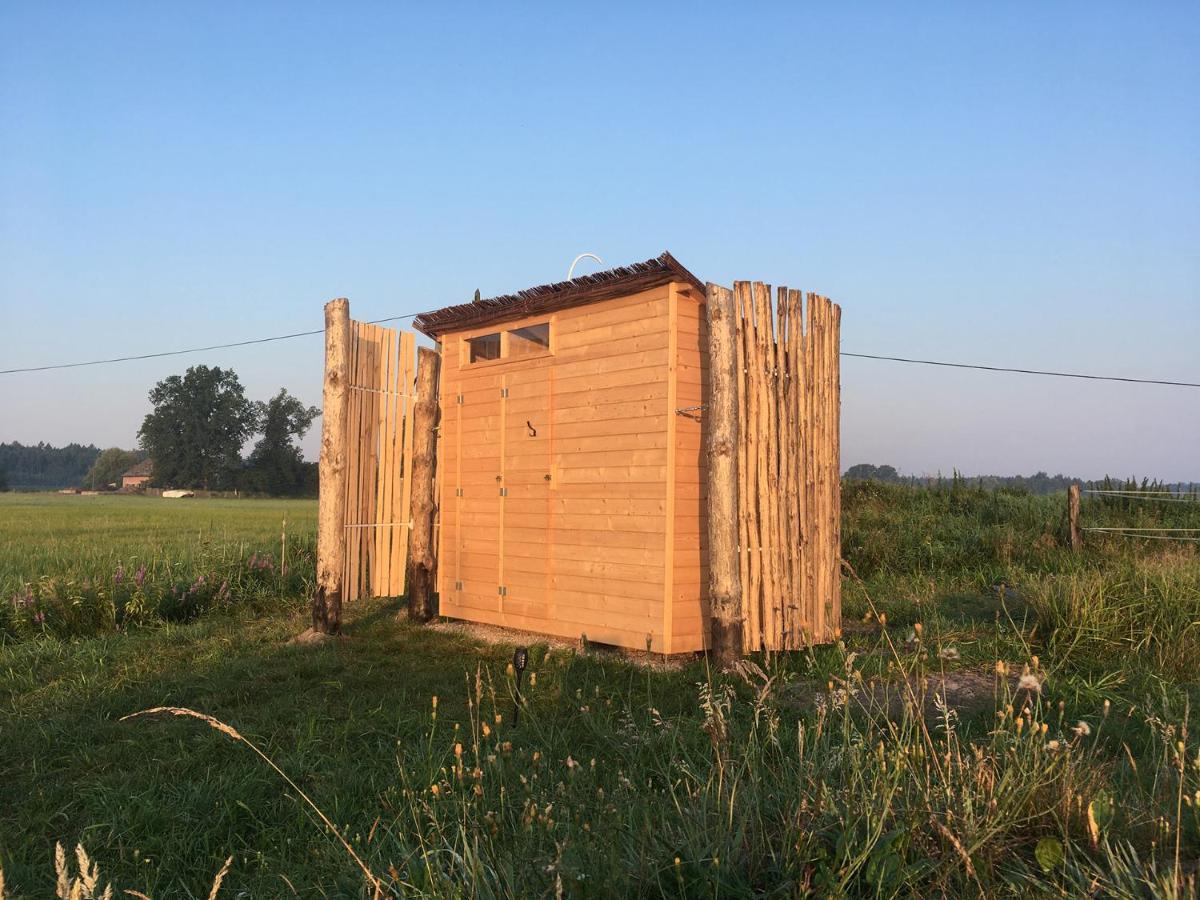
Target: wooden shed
571	462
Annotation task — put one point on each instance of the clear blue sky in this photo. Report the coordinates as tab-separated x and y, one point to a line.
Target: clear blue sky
1014	185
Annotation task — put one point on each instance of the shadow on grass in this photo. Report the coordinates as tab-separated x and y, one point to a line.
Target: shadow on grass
162	802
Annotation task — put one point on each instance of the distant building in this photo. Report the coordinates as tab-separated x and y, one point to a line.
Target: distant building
139	476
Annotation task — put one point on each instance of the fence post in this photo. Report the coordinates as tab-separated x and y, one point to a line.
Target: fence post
331	509
422	548
1073	517
724	580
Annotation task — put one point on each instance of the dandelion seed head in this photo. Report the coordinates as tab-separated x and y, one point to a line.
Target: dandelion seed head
1030	682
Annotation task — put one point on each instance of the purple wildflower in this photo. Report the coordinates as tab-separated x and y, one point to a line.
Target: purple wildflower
39	617
119	575
139	577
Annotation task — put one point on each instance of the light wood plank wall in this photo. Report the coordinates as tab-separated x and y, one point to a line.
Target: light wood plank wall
690	624
580	444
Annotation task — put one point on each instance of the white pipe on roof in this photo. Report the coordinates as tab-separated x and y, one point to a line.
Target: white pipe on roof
575	262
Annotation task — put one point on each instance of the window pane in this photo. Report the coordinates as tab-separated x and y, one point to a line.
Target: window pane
529	341
486	346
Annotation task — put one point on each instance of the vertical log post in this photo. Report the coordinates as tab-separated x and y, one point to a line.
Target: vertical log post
1073	517
331	510
724	579
421	551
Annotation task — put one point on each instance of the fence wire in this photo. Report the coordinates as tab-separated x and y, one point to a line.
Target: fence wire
1158	496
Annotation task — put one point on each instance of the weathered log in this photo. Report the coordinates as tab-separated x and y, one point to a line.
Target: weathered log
724	579
331	510
421	550
1073	517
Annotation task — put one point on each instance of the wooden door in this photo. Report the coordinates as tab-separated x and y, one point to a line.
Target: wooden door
526	531
476	529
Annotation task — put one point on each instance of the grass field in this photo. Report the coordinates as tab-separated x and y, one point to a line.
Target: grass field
74	565
836	772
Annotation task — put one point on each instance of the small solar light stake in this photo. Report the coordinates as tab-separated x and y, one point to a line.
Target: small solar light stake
520	660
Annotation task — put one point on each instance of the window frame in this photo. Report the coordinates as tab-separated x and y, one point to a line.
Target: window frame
468	347
465	338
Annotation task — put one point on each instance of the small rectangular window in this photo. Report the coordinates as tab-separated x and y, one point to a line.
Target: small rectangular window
486	346
532	340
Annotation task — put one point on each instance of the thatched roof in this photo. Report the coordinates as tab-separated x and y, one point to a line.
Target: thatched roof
606	285
142	469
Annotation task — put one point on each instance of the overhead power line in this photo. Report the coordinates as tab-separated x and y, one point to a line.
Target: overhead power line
118	359
899	359
952	365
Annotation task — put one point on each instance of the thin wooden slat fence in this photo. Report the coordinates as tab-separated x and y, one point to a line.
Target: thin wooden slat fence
379	453
789	487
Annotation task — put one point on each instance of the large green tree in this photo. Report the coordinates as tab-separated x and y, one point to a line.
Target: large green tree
110	465
276	466
196	432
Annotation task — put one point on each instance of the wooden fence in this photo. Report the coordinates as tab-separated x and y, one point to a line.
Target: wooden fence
789	488
379	454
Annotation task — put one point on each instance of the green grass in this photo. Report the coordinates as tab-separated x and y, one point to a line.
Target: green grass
800	775
75	535
74	565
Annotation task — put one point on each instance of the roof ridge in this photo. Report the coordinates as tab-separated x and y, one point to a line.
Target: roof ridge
559	294
141	467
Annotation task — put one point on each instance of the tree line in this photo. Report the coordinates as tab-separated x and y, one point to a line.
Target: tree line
1039	483
42	467
195	434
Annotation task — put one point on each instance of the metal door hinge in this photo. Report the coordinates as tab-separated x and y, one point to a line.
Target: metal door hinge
458	398
502	591
458	585
503	492
458	492
503	392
